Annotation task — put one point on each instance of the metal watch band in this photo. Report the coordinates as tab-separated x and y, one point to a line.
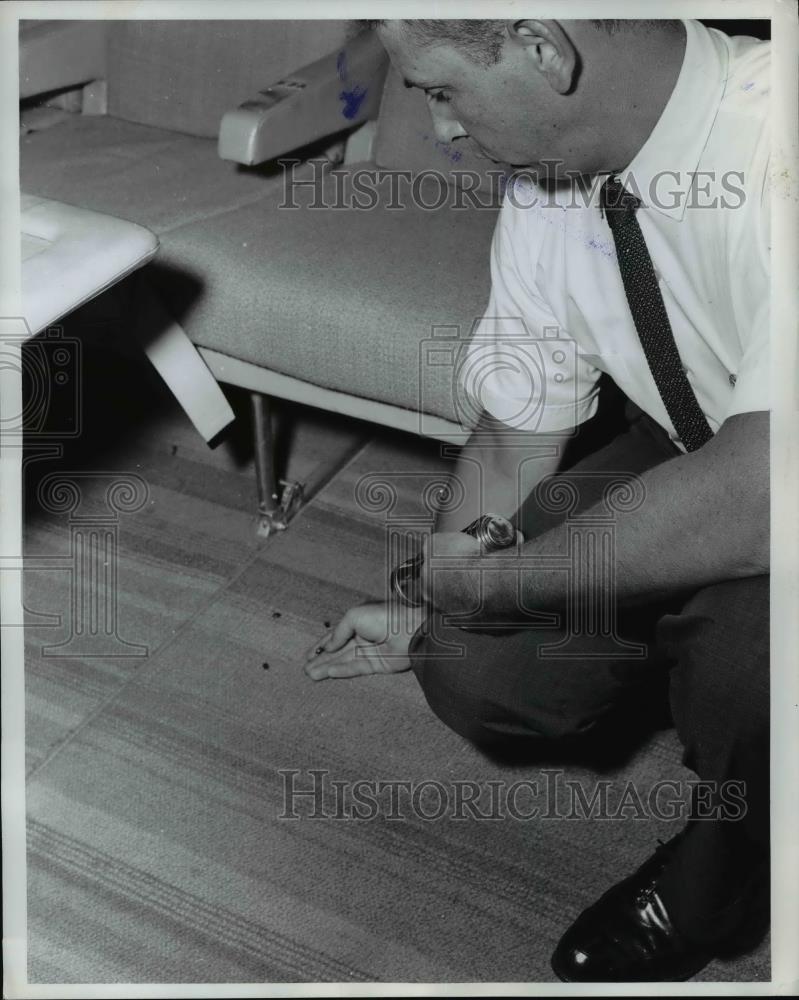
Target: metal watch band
406	582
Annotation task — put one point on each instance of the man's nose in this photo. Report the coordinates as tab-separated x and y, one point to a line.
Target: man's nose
447	127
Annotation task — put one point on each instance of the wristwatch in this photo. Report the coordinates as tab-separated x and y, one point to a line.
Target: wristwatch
492	531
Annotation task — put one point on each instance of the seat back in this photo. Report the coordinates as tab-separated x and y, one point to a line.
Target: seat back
184	75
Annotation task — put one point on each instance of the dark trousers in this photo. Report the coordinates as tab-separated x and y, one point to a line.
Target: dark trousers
710	649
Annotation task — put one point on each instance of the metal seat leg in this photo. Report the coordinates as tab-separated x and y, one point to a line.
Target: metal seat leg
280	499
274	508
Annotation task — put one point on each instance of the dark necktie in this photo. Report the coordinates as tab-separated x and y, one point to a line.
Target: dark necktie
649	315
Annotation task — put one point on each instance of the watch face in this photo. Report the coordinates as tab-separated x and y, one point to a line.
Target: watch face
492	531
501	532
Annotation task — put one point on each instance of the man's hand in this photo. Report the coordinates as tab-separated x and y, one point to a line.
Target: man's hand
364	642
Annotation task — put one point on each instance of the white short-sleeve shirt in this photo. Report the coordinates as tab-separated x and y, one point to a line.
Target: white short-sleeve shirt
558	316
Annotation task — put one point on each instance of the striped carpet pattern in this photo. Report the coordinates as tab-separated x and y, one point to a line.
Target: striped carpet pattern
161	846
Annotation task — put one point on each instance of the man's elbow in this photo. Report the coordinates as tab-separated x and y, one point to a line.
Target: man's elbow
756	559
743	456
747	526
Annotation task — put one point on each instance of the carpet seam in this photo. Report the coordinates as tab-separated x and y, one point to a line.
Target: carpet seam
201	610
151	660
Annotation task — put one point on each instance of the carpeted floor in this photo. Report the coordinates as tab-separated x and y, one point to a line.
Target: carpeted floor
157	851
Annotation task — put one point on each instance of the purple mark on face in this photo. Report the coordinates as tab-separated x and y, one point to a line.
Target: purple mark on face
747	86
446	148
353	99
456	155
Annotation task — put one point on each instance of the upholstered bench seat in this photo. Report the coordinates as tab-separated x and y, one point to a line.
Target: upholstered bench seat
151	176
295	289
280	288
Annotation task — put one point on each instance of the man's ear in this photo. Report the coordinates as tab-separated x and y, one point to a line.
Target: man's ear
550	48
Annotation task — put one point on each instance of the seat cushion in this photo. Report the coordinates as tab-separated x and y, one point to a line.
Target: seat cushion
69	255
146	175
346	299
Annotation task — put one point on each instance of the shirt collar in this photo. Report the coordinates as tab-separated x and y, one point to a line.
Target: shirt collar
661	173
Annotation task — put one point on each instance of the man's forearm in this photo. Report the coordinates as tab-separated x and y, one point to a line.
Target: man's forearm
704	519
496	470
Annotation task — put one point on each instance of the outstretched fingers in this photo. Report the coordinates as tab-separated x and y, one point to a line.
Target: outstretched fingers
356	658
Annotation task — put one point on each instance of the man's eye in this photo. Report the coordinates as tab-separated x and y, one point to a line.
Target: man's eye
439	97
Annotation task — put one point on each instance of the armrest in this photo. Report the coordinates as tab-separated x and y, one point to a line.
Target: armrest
334	93
54	55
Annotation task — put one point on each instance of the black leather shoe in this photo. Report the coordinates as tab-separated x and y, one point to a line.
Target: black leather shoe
628	937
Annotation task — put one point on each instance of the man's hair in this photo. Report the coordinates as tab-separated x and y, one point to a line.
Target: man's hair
482	40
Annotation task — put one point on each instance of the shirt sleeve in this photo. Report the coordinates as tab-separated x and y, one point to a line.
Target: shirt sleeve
752	389
520	366
752	283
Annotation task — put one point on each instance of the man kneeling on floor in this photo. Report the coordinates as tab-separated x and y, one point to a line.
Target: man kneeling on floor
648	254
